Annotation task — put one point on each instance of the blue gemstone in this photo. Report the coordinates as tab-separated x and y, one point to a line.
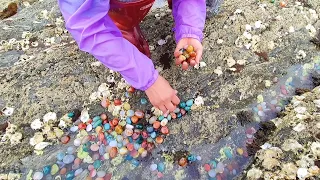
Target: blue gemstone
130	113
150	129
182	105
187	108
161	118
227	152
160	167
189	102
46	170
130	139
60	156
97	123
120	144
128	120
70	175
169	117
136	146
149	139
61	164
143	101
179	115
192	158
106	126
96	118
153	135
213	164
71	114
128	157
135	162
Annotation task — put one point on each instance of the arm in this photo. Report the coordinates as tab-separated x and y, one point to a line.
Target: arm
95	33
189	17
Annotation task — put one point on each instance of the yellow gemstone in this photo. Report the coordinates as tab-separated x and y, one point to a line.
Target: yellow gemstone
54	169
118	129
240	151
141	150
126	106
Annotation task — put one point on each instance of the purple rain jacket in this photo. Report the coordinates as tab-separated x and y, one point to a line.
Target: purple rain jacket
95	33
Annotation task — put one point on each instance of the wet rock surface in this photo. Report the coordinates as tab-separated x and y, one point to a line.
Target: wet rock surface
56	76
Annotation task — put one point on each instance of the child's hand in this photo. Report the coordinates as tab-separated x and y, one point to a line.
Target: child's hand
197	48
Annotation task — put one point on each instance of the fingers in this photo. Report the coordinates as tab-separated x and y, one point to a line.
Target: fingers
163	108
170	106
175	100
199	54
185	65
193	63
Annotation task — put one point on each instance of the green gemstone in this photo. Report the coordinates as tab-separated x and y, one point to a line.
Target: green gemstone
97	164
86	147
139	126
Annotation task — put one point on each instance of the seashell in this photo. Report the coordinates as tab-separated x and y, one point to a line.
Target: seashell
270	163
42	145
302	173
291	144
218	71
15	138
290	170
58	132
301	55
300	127
8	111
198	101
84	117
254	173
36	124
315	148
49	116
230	61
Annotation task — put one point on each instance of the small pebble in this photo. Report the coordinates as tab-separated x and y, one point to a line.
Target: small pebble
183	162
74	128
38	175
212	173
78	171
101	173
94	147
68	159
70	150
60	156
89	127
153	167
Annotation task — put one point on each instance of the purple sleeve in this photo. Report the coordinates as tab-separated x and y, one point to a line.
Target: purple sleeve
95	33
189	17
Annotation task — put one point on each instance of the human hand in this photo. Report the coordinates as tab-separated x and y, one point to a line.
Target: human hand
183	43
162	96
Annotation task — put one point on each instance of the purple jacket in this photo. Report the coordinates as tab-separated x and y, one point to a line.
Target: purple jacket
95	33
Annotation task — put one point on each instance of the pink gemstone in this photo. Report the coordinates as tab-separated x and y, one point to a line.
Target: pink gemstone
207	167
95	156
104	102
160	175
133	153
108	176
93	173
135	136
183	112
90	167
94	147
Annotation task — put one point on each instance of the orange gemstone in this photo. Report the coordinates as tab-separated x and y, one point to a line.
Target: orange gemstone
189	49
113	152
115	122
103	116
117	102
65	139
101	136
283	4
63	171
173	115
131	89
156	124
183	162
193	54
159	140
164	130
134	119
89	121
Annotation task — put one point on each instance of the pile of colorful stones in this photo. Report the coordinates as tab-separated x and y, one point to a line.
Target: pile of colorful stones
187	57
101	138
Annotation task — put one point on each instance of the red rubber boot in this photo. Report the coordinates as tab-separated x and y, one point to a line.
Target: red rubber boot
127	16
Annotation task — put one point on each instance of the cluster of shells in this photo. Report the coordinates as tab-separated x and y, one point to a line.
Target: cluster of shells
303	118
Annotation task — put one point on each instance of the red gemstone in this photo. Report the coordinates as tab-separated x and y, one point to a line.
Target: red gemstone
117	102
144	134
115	122
164	130
207	167
144	144
131	89
65	139
82	126
105	122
